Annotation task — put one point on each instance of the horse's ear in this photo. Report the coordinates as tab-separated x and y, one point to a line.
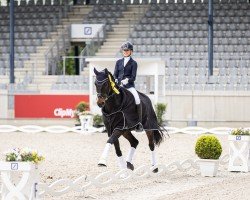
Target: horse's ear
96	72
106	71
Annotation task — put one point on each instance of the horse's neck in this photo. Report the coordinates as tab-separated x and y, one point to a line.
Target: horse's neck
113	104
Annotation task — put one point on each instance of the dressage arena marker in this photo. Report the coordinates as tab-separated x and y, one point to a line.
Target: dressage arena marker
239	153
102	180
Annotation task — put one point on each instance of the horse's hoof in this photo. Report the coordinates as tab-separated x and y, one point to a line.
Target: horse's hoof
155	170
130	166
101	165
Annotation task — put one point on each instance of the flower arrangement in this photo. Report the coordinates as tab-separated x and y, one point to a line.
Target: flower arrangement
23	155
240	131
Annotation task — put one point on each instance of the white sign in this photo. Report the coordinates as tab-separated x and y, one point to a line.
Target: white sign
59	112
82	31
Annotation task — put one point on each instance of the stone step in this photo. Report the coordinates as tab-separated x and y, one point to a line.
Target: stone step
108	39
35	64
22	74
34	86
110	47
35	71
4	79
60	26
114	35
105	54
118	43
121	31
49	40
122	26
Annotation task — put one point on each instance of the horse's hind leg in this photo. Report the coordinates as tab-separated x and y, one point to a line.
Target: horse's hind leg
150	135
133	143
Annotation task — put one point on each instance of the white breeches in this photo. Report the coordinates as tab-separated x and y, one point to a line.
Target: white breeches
135	94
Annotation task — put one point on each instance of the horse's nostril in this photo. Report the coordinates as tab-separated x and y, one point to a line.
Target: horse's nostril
100	104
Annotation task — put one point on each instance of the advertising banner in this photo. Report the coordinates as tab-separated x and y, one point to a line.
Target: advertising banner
47	106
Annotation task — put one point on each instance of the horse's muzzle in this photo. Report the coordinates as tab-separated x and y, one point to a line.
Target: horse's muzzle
100	102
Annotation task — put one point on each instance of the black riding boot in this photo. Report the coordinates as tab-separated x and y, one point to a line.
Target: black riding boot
139	112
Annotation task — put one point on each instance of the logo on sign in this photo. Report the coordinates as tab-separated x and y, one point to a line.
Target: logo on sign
14	166
87	30
238	137
59	112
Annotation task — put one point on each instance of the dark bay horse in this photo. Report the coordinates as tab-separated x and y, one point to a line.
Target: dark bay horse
120	118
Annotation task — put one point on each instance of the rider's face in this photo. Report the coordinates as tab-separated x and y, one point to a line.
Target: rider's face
126	53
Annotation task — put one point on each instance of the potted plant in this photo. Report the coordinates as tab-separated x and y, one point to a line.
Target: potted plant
97	121
208	149
25	162
239	145
160	111
81	109
23	155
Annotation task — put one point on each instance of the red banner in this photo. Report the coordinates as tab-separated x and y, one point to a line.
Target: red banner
47	106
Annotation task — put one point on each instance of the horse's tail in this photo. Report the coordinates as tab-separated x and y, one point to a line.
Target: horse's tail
159	135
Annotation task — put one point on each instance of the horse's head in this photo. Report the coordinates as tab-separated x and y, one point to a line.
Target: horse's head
105	86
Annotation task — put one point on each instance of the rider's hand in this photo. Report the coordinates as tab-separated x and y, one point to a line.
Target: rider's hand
116	80
125	81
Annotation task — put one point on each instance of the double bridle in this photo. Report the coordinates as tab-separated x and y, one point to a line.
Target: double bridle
100	83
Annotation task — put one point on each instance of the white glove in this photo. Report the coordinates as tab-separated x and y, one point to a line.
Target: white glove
116	80
125	81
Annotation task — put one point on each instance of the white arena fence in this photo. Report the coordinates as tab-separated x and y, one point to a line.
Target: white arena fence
81	184
88	130
107	178
48	129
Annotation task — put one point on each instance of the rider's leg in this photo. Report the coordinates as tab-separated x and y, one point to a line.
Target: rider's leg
138	104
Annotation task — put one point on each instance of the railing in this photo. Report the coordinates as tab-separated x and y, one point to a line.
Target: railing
92	46
52	55
65	129
105	179
29	177
94	43
20	63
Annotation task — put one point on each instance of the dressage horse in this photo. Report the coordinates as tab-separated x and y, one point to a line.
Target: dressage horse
120	118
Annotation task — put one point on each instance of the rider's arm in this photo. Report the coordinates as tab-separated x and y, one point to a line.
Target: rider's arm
116	72
133	74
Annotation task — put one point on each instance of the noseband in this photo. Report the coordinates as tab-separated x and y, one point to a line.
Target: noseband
112	85
100	83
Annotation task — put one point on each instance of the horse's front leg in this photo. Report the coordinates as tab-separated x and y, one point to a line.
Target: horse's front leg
133	143
112	139
121	162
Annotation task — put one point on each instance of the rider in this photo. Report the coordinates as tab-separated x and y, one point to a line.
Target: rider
125	75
